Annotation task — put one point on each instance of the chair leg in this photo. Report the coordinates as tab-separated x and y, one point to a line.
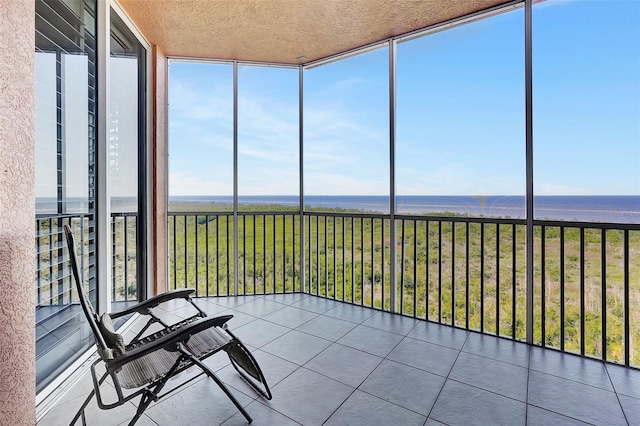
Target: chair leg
96	384
144	403
80	412
148	396
215	378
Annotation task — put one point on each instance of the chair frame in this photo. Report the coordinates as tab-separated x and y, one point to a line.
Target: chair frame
172	338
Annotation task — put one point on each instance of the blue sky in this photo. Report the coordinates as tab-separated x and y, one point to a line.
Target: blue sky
459	113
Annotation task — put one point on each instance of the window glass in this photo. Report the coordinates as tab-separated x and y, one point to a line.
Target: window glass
586	93
346	133
586	108
460	145
65	117
268	137
127	148
200	136
126	124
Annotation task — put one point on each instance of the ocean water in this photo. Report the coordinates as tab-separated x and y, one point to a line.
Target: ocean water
592	208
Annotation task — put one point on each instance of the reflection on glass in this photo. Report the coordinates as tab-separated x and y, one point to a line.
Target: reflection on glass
65	114
46	128
62	183
127	147
460	120
123	134
76	181
126	61
346	133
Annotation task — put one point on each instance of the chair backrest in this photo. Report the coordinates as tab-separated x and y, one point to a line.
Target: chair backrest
87	307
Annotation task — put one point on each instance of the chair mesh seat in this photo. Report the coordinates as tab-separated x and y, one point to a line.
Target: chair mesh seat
155	365
146	369
207	341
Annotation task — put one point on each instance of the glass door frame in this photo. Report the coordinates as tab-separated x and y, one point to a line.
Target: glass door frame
103	210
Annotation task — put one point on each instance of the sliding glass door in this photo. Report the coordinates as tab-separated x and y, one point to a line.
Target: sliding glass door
127	136
65	70
71	172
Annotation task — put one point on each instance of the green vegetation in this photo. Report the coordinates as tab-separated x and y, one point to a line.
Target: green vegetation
444	265
54	284
125	258
349	258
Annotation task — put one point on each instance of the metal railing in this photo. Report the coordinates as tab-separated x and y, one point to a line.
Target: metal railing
202	252
587	288
124	254
54	285
462	271
348	258
456	270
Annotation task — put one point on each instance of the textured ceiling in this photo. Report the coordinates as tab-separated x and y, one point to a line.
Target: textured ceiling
280	31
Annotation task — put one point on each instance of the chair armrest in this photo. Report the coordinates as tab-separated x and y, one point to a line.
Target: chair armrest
167	341
154	301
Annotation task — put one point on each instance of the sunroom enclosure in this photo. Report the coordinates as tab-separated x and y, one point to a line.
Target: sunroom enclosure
259	233
491	129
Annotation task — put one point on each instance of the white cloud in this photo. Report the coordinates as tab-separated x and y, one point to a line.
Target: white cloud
212	103
268	130
258	183
318	183
267	140
550	188
453	178
183	184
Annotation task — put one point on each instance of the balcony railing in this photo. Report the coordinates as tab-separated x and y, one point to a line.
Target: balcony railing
53	278
201	252
54	286
124	266
461	271
60	330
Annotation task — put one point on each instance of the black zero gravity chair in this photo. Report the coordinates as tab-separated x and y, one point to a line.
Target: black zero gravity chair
147	362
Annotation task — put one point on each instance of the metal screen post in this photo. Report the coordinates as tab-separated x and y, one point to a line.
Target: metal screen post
392	179
235	180
303	276
529	162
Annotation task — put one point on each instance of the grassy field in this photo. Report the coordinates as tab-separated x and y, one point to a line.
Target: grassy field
468	274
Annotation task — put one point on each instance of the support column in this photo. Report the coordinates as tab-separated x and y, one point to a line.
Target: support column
160	173
17	213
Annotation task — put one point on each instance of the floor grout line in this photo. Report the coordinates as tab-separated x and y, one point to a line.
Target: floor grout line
493	347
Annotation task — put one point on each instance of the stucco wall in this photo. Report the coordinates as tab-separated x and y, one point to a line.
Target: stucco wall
160	169
17	210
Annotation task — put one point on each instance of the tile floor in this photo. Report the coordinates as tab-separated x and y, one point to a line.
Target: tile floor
336	364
